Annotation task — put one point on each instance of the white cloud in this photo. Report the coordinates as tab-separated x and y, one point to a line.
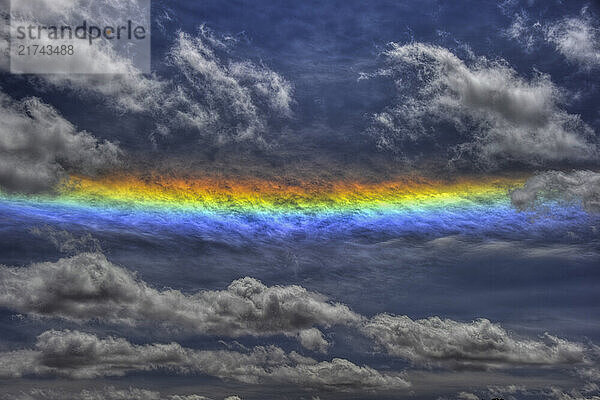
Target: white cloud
503	116
522	30
38	147
577	186
78	355
243	95
220	99
89	287
577	39
478	345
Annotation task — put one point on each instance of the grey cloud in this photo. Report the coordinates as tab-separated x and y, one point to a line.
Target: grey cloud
66	242
478	345
504	116
78	355
513	392
104	393
466	396
459	249
38	147
88	287
222	99
577	186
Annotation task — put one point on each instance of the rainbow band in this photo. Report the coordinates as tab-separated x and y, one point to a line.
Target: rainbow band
254	209
261	196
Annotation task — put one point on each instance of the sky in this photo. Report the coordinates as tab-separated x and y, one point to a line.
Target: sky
307	200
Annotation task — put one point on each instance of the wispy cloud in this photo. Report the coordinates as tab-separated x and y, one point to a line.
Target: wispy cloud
242	95
208	92
576	38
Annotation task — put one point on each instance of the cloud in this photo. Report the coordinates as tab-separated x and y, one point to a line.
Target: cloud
586	391
242	94
503	116
66	242
104	393
476	345
78	355
38	147
89	287
208	93
576	39
577	186
521	30
466	396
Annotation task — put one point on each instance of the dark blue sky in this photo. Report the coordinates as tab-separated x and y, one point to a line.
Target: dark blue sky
462	301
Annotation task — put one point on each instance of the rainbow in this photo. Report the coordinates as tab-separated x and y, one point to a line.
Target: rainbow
256	196
405	205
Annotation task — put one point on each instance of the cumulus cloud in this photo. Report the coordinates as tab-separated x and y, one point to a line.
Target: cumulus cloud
582	187
477	345
38	147
105	393
78	355
503	116
89	287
